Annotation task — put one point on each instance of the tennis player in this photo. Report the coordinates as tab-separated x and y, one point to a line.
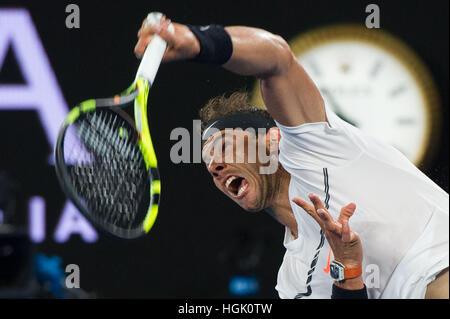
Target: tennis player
402	216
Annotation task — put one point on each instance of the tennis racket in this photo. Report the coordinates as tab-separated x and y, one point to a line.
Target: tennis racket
105	161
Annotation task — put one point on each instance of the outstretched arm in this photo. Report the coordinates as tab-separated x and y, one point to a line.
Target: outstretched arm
289	93
344	242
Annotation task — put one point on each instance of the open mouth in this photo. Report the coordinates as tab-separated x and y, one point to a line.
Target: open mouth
236	185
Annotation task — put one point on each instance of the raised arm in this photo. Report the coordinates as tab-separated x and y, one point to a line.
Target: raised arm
289	93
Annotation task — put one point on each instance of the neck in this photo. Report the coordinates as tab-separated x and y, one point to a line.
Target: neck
280	207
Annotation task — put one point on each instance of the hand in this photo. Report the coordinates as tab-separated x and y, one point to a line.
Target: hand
344	242
181	44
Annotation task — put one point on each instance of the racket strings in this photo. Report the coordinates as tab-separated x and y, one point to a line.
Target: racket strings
113	180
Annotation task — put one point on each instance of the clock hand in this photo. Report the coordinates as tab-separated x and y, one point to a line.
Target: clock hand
337	108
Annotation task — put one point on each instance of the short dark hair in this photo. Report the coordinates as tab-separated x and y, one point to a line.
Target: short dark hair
237	102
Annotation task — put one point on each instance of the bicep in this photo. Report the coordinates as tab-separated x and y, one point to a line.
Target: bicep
291	97
289	93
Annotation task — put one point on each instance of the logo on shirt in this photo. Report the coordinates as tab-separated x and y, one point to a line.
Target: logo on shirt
327	268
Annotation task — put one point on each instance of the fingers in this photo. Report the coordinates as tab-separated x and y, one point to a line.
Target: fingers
321	215
139	49
147	29
307	207
346	212
313	210
145	21
164	31
316	201
328	222
348	235
346	232
147	32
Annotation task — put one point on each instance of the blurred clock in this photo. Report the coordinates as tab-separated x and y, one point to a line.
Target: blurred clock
374	81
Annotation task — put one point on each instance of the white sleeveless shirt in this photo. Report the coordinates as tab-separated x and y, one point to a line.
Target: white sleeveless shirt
401	214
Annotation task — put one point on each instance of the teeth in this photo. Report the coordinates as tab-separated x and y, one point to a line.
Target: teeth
229	180
242	189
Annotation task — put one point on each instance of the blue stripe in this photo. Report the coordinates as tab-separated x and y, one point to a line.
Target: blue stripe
322	241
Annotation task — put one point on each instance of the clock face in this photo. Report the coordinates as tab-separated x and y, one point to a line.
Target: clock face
371	89
375	82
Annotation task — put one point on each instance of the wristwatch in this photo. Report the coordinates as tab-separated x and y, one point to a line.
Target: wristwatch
339	272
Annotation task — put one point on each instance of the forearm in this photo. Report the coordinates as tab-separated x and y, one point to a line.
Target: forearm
289	94
256	52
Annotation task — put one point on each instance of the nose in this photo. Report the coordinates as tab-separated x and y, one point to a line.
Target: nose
216	168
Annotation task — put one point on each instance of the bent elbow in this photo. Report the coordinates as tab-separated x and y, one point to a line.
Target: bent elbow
285	56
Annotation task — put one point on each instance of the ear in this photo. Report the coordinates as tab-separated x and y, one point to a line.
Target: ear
273	139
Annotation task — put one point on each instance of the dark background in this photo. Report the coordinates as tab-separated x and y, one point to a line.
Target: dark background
200	237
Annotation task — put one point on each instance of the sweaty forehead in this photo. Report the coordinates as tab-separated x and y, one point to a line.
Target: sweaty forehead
213	139
223	135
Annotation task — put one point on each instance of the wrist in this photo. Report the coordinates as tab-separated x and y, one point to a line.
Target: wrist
191	45
341	272
351	284
342	293
214	44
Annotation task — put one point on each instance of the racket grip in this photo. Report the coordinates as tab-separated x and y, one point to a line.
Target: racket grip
154	52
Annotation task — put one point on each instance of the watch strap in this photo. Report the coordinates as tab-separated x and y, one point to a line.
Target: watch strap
350	273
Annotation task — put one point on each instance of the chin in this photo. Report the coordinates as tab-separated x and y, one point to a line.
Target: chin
251	210
250	206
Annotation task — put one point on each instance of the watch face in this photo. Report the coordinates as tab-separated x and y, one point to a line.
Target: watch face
372	90
334	271
375	82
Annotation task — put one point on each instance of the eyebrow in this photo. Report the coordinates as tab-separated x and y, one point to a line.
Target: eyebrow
216	139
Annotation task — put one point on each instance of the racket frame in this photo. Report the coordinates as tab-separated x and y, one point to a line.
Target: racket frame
138	92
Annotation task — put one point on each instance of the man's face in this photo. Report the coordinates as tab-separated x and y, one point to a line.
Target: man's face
231	157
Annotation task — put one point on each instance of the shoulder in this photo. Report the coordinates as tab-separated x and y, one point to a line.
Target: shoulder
320	144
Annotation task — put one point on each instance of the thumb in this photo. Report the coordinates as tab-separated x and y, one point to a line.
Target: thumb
346	212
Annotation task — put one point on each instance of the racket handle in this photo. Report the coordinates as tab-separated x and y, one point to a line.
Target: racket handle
154	52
